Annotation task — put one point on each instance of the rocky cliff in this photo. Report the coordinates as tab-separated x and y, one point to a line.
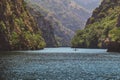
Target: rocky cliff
102	28
18	31
44	24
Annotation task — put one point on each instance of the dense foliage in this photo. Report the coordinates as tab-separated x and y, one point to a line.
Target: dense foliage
102	27
17	28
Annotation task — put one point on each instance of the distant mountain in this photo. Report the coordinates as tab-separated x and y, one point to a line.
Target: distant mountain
90	5
66	17
70	14
102	28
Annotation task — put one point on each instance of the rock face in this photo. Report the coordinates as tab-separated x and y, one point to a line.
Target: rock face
102	26
48	31
114	47
18	30
44	25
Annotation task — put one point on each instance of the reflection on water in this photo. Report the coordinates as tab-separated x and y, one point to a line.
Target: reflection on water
68	50
84	64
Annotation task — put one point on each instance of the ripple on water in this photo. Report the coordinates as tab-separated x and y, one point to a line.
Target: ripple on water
60	66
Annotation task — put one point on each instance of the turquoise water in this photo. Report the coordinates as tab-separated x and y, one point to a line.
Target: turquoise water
68	50
60	64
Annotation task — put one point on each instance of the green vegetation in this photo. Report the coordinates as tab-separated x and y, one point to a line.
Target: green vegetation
2	26
100	27
115	34
17	27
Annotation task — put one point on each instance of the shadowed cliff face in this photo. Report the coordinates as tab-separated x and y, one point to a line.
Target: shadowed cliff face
45	26
17	28
103	26
113	47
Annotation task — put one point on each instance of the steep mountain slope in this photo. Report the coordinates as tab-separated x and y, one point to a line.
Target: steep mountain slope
65	16
17	28
44	24
102	28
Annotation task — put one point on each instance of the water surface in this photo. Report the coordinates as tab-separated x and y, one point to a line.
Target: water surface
60	64
68	50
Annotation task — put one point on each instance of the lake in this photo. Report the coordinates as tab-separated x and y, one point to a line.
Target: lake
60	64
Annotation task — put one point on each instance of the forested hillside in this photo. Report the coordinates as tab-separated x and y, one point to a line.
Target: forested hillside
18	30
101	28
